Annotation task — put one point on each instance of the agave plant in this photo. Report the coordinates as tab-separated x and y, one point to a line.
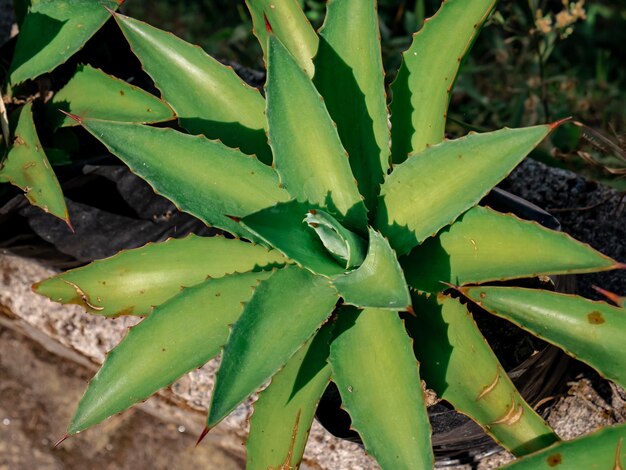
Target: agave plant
355	247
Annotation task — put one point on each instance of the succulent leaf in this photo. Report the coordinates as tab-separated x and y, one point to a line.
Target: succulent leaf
349	75
605	448
308	153
284	312
288	22
371	352
208	97
134	281
27	167
485	245
52	32
421	91
291	397
180	335
458	364
378	282
587	330
92	93
202	177
428	192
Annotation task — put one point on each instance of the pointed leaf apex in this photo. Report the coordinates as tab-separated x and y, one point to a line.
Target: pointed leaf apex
112	12
233	218
410	311
203	434
76	118
268	26
613	297
60	441
558	123
452	286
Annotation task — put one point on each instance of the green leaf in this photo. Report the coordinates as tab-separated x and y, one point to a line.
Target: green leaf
202	177
179	336
53	31
604	448
428	192
371	352
484	245
350	76
289	23
421	91
284	411
92	93
285	311
592	332
283	227
134	281
208	97
459	365
308	154
27	167
378	282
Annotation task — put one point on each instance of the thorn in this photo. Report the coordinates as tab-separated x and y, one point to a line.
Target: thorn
268	26
60	441
556	124
410	310
76	118
620	266
205	431
616	299
69	225
233	218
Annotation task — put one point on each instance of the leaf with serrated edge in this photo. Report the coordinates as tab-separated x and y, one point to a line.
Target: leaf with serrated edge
52	32
284	411
458	364
592	332
422	195
202	177
92	93
484	245
208	97
289	23
180	335
371	352
349	75
605	448
421	91
27	167
308	154
285	311
134	281
378	282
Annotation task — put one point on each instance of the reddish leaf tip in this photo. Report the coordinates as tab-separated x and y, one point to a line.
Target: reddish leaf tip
203	434
60	441
76	118
268	26
558	123
69	224
233	218
410	311
613	297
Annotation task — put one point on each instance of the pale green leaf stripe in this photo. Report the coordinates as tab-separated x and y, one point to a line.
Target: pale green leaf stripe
349	75
308	153
92	93
208	97
26	166
285	311
423	195
378	282
52	32
421	91
290	25
180	335
458	364
202	177
604	449
378	378
133	282
284	411
592	332
484	245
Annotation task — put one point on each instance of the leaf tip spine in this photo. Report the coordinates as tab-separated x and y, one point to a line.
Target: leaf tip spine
76	118
233	218
203	434
268	25
60	441
558	123
112	12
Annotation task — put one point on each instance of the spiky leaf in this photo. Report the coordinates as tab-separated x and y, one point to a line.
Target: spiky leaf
202	177
27	167
308	153
484	245
284	411
371	352
590	331
421	91
179	336
458	364
134	281
208	97
52	32
349	75
424	194
285	311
